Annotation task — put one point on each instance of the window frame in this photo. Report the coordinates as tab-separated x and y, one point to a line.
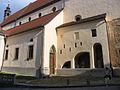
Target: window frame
16	53
94	32
76	36
6	54
29	55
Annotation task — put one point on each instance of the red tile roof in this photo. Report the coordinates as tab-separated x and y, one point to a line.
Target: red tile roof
39	22
28	9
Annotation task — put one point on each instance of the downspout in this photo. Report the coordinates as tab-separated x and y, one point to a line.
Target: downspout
109	47
42	54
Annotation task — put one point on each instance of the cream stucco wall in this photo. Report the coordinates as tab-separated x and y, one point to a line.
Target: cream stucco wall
88	8
65	36
1	49
22	41
50	38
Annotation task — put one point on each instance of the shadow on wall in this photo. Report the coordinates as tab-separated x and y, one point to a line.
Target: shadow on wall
87	72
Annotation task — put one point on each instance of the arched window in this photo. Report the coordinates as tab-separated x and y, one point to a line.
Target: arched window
82	60
98	56
54	9
29	19
67	64
20	23
40	14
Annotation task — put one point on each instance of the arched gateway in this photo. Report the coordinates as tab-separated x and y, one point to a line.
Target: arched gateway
82	60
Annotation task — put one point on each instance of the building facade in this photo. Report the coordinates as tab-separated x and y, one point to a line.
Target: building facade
57	37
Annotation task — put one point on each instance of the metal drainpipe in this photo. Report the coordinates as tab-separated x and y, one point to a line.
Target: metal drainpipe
109	46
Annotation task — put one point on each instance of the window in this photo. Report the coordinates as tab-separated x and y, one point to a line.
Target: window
94	34
30	53
64	45
75	45
29	19
60	51
16	53
80	43
31	40
54	9
20	23
40	14
6	55
67	64
76	35
78	18
70	49
119	52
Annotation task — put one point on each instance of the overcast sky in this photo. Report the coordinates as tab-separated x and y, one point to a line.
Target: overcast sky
15	5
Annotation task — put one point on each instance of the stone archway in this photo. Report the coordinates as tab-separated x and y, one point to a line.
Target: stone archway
52	60
82	60
98	56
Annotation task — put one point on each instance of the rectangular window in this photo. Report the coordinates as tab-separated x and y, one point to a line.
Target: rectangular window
60	51
16	53
119	52
76	34
94	33
75	45
64	45
30	53
70	49
6	55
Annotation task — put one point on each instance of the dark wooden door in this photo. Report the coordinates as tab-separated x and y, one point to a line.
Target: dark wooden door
52	63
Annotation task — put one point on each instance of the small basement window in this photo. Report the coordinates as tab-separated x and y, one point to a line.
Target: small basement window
67	64
94	32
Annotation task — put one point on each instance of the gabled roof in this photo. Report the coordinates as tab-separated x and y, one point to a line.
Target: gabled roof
97	17
36	23
32	7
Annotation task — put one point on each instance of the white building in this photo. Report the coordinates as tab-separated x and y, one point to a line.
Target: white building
44	36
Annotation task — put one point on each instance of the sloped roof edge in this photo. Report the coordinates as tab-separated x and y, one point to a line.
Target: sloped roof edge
32	7
39	22
101	16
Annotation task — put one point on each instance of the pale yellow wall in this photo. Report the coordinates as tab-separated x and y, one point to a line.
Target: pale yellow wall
88	8
87	42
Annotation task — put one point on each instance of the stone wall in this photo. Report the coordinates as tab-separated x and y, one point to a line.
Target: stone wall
114	41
